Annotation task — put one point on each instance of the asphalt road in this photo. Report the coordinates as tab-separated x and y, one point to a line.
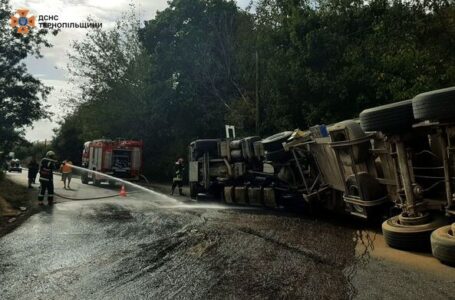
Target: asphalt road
152	246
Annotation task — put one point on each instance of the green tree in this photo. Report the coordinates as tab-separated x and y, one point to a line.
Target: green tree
109	70
326	61
22	96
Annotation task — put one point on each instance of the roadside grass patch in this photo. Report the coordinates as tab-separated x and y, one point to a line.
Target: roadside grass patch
12	197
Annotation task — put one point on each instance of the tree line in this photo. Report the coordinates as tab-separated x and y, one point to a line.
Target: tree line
278	65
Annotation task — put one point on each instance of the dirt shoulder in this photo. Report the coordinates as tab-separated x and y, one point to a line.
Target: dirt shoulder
16	204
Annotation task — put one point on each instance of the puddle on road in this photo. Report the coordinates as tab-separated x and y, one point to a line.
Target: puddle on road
381	270
364	245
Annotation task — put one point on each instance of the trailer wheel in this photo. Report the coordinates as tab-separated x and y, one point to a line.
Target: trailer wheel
443	244
410	237
275	142
435	105
390	118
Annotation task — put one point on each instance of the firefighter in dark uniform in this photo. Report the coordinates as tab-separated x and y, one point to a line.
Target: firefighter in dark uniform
178	176
46	178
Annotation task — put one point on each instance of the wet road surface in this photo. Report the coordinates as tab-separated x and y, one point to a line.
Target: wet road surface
151	246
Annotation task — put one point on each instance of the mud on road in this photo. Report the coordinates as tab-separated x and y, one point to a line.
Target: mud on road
224	255
146	246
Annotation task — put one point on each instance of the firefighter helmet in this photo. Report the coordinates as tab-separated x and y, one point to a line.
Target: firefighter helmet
50	154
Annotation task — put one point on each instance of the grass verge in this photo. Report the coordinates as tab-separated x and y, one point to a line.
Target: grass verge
16	205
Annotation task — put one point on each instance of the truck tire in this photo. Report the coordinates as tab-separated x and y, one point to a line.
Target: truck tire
208	145
409	237
235	144
443	244
390	118
435	105
236	155
248	147
371	188
275	142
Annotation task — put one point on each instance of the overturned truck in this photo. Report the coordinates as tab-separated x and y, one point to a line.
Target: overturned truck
332	166
396	159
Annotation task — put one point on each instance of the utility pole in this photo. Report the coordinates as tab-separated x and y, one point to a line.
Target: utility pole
257	91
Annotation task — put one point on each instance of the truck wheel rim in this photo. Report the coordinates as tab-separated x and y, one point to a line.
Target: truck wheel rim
420	218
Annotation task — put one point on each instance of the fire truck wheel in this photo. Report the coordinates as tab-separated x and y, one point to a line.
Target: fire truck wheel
371	188
435	105
389	118
410	237
443	244
275	142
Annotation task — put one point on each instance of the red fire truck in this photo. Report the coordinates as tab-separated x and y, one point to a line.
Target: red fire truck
118	158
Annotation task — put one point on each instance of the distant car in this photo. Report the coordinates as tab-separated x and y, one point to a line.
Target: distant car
15	166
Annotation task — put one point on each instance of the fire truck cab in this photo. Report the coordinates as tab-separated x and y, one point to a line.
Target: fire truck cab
118	158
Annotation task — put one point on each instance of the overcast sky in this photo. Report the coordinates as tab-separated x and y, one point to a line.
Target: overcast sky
51	69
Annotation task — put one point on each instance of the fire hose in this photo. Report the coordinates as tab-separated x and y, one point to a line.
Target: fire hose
90	198
95	198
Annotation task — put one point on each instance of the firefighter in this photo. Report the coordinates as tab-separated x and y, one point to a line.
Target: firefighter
46	178
178	176
32	172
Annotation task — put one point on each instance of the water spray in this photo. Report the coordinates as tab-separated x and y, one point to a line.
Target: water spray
124	182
